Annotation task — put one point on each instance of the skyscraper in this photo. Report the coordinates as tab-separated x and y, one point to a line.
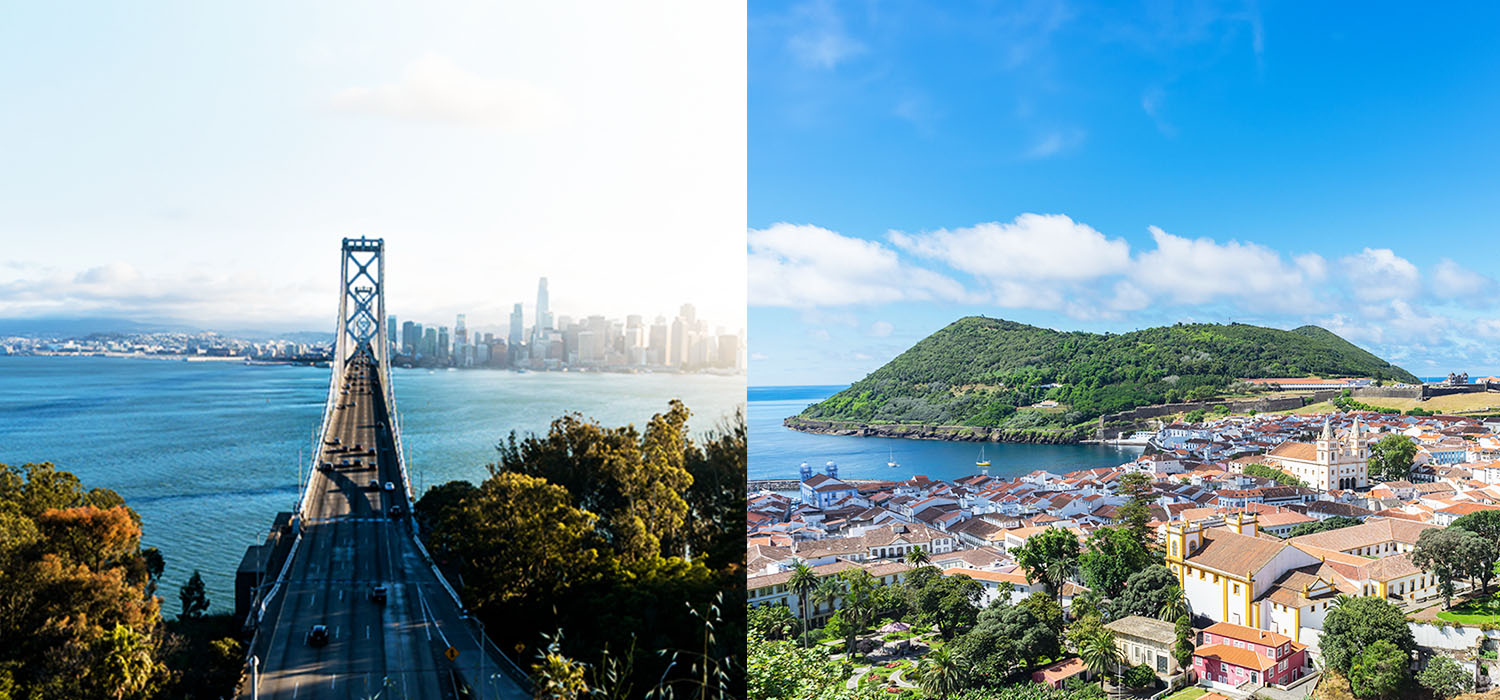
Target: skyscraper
460	334
543	308
517	321
411	335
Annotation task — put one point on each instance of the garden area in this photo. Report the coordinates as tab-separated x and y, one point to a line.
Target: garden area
1479	610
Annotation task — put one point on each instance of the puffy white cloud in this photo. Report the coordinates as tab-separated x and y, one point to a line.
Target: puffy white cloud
1450	279
1200	270
1032	247
1378	274
435	89
807	266
881	329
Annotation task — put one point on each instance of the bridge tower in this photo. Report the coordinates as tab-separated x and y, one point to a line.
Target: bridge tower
361	303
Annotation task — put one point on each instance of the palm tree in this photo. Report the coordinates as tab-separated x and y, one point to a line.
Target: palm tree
917	556
859	602
941	673
1175	606
802	581
1099	653
128	667
828	591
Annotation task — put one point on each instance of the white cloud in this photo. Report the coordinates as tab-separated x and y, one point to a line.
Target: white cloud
1199	270
807	266
822	41
435	89
1450	279
1032	247
1055	142
1378	274
881	329
758	356
119	289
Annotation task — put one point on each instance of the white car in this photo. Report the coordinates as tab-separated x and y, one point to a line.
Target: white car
390	486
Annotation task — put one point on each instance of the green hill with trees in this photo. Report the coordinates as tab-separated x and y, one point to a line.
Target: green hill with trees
988	372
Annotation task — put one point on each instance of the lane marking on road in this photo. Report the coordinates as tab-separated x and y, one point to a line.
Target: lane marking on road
367	631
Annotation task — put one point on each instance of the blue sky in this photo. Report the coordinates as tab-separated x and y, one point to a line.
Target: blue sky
198	162
1110	166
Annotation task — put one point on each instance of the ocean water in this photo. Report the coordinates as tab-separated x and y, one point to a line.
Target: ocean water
207	452
776	452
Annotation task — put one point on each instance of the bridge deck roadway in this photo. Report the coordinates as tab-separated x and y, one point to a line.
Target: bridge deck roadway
350	543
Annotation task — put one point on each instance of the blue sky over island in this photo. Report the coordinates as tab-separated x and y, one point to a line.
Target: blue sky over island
1107	166
197	163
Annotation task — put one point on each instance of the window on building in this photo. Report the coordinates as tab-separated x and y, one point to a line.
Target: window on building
1236	589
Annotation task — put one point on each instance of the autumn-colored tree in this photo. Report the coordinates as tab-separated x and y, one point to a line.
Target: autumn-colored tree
76	617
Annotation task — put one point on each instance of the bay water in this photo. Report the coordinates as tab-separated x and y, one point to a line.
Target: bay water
207	452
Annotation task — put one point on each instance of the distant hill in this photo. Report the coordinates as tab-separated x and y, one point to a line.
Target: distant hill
987	372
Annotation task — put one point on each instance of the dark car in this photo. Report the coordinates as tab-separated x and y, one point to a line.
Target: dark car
396	511
377	594
318	636
374	485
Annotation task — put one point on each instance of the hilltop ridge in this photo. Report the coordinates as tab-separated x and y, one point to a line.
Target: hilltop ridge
994	373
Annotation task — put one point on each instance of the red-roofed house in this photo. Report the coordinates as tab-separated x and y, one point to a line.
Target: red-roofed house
1231	655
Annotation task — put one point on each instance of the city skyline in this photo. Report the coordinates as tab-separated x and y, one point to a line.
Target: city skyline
209	194
553	341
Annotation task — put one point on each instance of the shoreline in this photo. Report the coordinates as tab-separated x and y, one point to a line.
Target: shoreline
944	433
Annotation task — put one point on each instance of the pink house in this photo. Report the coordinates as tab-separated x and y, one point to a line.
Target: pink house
1231	654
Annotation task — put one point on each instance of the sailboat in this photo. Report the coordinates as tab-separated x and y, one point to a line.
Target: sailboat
892	463
982	462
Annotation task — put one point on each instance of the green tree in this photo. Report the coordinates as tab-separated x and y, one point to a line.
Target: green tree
1135	514
780	669
1148	592
1379	671
917	556
1391	457
1486	524
1274	474
948	602
126	664
194	597
941	672
1049	556
1175	606
1139	676
859	604
1004	638
773	621
1045	609
1334	523
1098	651
1445	678
1185	644
801	583
1355	624
1110	556
1453	553
76	617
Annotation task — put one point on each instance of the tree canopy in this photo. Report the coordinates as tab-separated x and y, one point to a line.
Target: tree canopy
1391	457
614	535
1354	624
1049	556
986	372
1110	556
